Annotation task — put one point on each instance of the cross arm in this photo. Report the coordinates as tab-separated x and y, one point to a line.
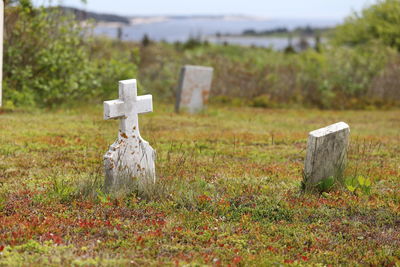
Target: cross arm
144	104
113	109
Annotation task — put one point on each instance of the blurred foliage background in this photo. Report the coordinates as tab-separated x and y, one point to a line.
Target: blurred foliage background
50	59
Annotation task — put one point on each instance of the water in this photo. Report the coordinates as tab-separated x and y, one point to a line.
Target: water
277	43
174	30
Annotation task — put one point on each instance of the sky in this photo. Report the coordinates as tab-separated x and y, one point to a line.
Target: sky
329	9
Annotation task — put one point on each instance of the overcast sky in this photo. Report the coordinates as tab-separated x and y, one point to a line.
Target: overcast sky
329	9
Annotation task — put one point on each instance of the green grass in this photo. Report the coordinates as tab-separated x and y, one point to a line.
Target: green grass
228	191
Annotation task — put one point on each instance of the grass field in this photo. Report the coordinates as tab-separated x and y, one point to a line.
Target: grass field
228	191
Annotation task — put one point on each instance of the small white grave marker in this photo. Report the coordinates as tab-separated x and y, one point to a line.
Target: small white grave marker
194	88
326	153
130	156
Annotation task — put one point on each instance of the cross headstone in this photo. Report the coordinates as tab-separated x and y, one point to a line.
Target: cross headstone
194	88
130	157
326	153
1	48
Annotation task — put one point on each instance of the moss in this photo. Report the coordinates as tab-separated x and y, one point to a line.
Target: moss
228	191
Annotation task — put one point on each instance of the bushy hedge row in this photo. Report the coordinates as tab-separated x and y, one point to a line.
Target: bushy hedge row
336	77
49	59
358	68
378	22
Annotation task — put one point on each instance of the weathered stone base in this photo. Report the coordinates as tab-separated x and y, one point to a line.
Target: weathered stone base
129	161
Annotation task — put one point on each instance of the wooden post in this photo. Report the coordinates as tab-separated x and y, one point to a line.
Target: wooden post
1	48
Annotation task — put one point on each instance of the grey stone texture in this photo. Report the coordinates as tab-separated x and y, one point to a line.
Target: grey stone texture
194	88
326	153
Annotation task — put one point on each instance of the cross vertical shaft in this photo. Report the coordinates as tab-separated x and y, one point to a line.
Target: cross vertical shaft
128	94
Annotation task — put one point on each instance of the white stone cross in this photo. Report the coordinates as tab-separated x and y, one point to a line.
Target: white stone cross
130	157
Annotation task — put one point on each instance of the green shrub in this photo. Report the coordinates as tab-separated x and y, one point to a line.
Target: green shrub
49	59
262	101
114	61
359	184
341	77
334	78
379	22
45	57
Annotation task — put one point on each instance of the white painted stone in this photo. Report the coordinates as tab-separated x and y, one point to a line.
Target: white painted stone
194	88
1	49
326	153
130	157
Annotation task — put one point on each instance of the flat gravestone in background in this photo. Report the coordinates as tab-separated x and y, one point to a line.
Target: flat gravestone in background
194	88
1	48
326	153
130	157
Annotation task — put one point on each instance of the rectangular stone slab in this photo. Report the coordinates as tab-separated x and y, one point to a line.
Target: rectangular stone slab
194	88
326	153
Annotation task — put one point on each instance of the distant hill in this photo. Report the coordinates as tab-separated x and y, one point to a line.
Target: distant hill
83	15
